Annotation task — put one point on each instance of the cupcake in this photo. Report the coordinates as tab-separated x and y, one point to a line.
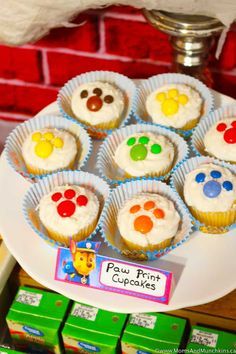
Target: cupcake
46	150
220	140
148	222
69	211
145	154
175	105
99	104
210	193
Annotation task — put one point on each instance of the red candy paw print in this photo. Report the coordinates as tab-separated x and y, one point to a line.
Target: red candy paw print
68	202
230	133
144	223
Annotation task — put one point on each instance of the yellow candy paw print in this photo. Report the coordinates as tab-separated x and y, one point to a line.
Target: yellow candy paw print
46	143
171	100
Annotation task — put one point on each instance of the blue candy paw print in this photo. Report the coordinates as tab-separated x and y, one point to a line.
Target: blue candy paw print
139	148
212	188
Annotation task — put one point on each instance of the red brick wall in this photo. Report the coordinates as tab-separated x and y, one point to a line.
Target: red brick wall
117	38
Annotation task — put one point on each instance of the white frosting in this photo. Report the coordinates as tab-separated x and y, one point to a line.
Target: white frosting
162	228
194	194
60	157
216	145
68	226
191	110
153	163
108	111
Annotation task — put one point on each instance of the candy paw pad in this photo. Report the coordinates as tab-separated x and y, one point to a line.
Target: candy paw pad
45	144
171	100
67	206
229	132
139	148
144	223
95	102
213	187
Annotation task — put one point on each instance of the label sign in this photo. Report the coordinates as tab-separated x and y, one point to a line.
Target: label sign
86	312
113	275
143	320
28	298
204	338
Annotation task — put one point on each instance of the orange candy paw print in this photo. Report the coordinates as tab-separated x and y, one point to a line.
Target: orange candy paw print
171	100
144	223
45	144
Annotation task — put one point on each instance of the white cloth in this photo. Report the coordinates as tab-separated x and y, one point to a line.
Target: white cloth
27	20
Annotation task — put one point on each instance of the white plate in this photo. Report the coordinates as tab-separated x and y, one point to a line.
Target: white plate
204	267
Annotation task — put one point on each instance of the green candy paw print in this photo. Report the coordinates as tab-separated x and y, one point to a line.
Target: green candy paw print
139	148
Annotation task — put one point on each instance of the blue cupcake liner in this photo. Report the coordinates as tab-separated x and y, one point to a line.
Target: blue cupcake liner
177	180
126	85
15	140
127	190
105	162
47	184
196	141
154	82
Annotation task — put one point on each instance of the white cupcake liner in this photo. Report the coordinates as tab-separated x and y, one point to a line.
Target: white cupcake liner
113	174
154	82
197	139
47	184
126	85
178	178
15	140
119	195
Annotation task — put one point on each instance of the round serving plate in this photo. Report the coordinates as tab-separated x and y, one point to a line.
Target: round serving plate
204	267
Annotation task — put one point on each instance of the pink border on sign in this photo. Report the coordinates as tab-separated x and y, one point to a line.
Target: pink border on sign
131	293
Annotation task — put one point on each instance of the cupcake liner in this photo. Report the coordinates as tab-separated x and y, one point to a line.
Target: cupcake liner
113	174
214	222
126	85
151	84
16	138
197	139
47	184
116	200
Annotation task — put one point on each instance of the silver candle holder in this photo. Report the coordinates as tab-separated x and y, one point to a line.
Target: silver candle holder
191	37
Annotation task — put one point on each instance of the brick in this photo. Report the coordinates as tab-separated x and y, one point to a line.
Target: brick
136	40
25	99
225	83
20	63
72	65
85	37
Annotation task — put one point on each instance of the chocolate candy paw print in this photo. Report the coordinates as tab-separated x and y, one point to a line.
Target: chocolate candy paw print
139	148
213	187
229	131
94	101
68	201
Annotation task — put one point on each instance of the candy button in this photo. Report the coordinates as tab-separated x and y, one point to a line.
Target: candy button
159	213
161	96
94	103
173	93
56	196
215	174
149	205
200	177
43	149
58	143
66	208
212	189
134	209
156	149
84	94
228	185
138	152
221	127
36	136
131	141
97	91
183	99
230	136
143	140
143	224
108	99
69	193
48	136
169	107
82	200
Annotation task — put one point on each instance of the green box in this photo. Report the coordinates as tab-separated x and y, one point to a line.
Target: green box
35	318
90	330
208	339
6	351
152	333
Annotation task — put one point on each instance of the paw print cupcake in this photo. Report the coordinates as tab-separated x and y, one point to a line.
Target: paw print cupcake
99	104
220	140
69	212
175	105
145	154
148	222
210	193
47	150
